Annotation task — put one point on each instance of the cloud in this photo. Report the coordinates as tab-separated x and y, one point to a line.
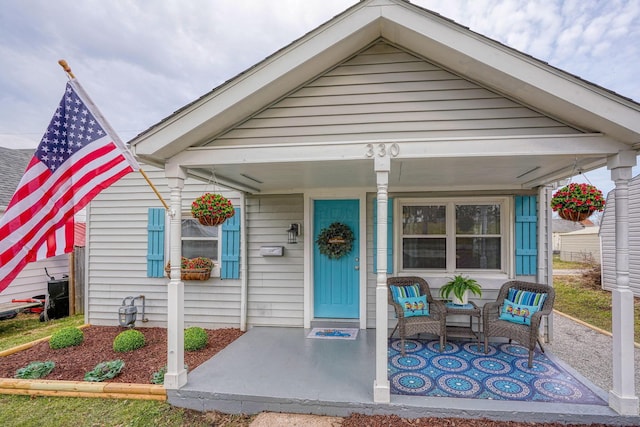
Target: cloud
140	61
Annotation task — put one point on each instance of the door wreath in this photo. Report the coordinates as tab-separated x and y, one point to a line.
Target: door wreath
335	241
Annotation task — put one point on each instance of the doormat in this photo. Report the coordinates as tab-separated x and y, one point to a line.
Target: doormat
334	333
464	370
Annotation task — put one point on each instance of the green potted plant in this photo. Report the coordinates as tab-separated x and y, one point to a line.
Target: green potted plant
576	202
457	289
212	209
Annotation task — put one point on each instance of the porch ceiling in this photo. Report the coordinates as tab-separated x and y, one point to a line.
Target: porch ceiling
407	174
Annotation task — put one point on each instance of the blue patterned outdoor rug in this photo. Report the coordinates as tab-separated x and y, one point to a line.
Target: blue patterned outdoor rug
464	370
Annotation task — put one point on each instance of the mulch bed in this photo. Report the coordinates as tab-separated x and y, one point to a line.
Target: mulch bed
139	365
359	420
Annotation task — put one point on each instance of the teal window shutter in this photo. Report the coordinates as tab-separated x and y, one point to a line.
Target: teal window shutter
155	242
526	234
230	266
389	235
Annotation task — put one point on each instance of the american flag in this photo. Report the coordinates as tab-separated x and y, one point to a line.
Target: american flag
78	157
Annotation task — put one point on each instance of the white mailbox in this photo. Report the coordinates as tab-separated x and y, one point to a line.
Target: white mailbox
272	250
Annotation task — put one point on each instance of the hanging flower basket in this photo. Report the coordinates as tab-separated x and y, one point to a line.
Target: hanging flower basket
193	269
212	209
577	202
335	241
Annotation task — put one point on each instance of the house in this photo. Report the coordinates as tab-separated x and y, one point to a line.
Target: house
561	226
435	146
32	280
581	246
608	238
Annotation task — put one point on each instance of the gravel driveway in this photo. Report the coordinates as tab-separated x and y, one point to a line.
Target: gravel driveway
587	351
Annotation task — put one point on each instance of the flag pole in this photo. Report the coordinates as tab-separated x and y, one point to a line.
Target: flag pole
67	69
153	187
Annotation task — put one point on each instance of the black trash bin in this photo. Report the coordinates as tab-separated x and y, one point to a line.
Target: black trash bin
58	298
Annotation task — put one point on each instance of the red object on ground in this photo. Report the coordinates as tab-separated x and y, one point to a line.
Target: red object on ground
39	309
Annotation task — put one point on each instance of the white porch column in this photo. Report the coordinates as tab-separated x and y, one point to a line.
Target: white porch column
176	375
545	251
622	398
381	388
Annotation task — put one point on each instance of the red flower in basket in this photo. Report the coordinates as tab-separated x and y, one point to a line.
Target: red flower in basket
576	202
212	209
200	262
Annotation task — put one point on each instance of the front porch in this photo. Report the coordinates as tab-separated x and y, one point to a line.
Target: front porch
280	370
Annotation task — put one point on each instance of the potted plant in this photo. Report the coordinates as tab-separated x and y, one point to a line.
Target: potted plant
460	287
212	209
576	202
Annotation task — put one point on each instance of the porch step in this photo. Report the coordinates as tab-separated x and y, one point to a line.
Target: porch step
335	323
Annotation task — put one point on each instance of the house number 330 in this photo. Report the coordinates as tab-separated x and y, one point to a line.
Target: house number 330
382	150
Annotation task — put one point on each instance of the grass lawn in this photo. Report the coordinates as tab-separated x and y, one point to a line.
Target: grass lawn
25	328
587	304
26	411
558	264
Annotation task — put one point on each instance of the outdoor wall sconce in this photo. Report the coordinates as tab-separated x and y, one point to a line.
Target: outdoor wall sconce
292	233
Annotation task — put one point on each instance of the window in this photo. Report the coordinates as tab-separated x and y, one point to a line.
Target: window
221	244
201	241
452	235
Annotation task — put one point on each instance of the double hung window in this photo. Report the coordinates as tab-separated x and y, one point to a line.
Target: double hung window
452	235
201	241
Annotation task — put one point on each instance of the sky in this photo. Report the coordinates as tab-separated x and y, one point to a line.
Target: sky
141	60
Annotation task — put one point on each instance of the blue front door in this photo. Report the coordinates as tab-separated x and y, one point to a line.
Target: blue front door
336	281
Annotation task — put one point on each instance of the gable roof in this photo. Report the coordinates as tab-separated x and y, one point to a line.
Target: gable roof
595	111
560	225
13	163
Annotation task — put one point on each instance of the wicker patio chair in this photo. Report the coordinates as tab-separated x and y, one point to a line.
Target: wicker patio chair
526	335
434	323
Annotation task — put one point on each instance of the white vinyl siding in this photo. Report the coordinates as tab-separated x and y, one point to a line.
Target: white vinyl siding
117	258
608	239
385	92
581	246
276	284
32	280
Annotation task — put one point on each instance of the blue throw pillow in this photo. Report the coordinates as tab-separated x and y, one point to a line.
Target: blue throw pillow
404	291
414	306
517	313
526	297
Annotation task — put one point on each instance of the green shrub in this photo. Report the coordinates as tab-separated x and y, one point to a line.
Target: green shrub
66	337
158	376
195	338
35	370
105	370
128	340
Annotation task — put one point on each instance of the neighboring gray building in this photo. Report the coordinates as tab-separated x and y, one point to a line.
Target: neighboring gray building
561	226
12	166
582	245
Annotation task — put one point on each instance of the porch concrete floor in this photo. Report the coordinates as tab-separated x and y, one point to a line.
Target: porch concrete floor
280	370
